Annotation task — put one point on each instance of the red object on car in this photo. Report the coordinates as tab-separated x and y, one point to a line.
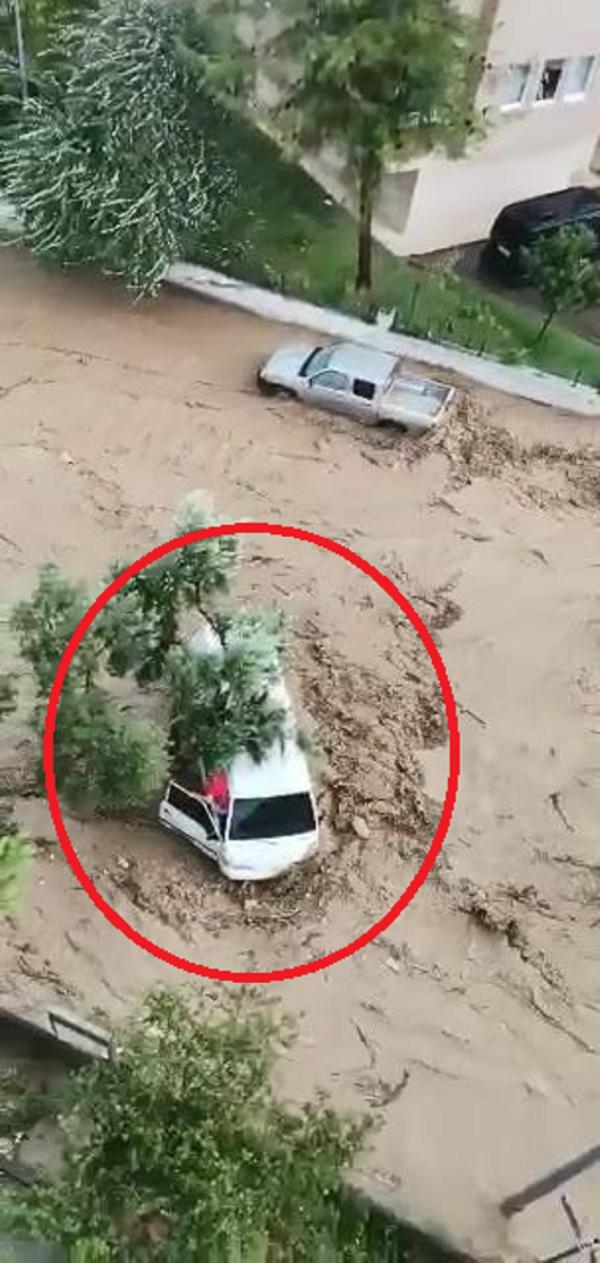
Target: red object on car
217	788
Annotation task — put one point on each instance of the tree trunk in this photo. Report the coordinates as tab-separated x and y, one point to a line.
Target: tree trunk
541	334
364	274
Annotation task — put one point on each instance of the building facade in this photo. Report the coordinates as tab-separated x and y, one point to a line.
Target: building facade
540	97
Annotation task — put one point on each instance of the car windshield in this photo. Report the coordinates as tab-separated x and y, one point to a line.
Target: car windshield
317	360
279	817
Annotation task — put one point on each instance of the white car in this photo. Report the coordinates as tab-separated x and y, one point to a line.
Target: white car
271	819
359	381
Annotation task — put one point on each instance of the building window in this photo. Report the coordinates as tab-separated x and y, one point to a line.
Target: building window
513	86
578	76
550	82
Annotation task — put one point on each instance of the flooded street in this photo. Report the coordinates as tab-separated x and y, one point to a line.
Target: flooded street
471	1027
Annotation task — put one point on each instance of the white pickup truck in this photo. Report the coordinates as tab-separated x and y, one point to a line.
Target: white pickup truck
360	381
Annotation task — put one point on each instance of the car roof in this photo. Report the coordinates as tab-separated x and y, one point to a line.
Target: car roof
363	362
283	770
552	207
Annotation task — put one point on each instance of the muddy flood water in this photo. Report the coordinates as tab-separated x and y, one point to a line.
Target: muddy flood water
470	1027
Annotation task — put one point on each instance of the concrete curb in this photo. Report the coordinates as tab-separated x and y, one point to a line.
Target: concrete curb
525	383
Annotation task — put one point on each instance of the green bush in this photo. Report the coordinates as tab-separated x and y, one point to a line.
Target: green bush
16	855
178	1151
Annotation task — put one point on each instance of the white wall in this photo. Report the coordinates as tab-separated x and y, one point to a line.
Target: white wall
554	28
539	149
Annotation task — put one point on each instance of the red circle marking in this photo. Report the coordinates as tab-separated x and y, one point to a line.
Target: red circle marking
387	586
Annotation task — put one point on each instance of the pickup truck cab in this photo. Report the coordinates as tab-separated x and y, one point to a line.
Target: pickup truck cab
269	822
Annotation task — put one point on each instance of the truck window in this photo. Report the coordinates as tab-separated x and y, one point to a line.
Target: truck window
364	389
330	380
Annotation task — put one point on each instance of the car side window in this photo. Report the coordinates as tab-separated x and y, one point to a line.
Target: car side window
364	389
193	807
330	380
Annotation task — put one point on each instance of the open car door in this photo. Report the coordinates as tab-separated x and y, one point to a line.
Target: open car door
190	815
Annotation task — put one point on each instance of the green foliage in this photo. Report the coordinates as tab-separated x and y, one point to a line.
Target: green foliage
44	19
379	79
218	708
141	623
564	267
258	636
177	1151
41	22
217	703
11	88
144	613
44	625
105	167
128	637
210	48
104	757
22	1103
207	566
15	858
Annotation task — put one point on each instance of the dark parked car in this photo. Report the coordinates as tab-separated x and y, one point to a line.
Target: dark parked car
520	225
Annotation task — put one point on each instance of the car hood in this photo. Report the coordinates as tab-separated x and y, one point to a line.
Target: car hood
287	361
264	858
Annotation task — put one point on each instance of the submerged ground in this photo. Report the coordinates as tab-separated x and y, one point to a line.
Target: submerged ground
471	1027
